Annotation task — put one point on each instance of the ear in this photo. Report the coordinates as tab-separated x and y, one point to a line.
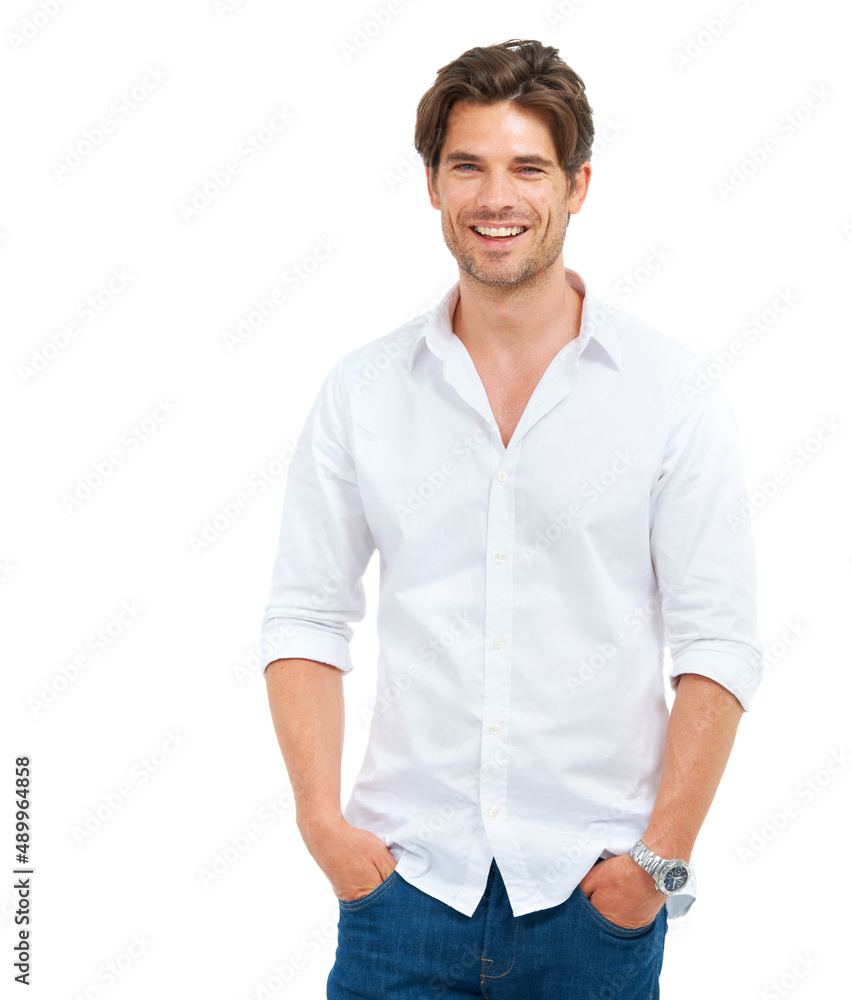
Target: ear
434	197
582	177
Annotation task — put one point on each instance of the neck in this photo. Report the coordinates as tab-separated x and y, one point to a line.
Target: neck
512	322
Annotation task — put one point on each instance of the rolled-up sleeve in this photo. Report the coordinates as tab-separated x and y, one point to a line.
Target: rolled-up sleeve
701	543
324	543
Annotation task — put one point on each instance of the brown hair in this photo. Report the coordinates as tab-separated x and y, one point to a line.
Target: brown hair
527	73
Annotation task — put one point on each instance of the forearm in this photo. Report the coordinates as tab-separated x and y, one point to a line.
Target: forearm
306	701
699	738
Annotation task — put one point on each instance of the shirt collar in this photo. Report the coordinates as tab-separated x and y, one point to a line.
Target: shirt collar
596	323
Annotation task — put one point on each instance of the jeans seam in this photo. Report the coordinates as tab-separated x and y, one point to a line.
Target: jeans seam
487	931
484	975
514	940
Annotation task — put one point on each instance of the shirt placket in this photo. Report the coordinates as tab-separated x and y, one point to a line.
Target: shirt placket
496	738
499	546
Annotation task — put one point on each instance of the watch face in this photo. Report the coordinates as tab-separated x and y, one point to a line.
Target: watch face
675	878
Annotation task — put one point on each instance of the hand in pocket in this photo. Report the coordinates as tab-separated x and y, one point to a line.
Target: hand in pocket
354	861
622	892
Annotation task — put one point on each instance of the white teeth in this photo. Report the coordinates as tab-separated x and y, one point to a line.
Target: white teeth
513	231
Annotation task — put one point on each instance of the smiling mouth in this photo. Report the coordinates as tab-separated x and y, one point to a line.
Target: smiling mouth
501	235
500	232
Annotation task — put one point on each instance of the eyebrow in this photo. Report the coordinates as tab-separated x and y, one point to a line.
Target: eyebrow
457	156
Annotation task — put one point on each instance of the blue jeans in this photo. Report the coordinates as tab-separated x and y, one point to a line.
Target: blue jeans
399	943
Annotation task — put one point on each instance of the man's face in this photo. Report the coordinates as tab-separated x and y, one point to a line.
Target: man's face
498	165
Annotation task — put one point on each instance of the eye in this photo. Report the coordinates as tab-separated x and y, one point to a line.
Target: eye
461	167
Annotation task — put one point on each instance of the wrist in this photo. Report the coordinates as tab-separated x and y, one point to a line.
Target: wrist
318	821
668	845
669	873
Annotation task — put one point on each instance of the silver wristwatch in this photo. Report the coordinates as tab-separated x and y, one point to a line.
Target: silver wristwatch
669	874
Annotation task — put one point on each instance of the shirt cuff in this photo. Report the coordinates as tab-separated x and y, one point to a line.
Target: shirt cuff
731	664
282	638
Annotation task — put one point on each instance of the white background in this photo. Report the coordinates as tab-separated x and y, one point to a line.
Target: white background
671	131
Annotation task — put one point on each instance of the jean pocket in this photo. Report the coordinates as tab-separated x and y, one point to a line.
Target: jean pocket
608	924
381	888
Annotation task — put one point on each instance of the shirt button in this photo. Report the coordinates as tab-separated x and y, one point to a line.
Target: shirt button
492	811
500	557
497	644
502	476
494	728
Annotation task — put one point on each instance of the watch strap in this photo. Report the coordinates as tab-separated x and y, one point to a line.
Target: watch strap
654	865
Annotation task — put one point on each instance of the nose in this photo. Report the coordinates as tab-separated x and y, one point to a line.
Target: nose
497	192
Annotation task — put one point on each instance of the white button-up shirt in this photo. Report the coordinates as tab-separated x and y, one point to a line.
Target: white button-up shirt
526	592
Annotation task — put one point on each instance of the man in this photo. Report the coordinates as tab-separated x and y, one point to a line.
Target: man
549	484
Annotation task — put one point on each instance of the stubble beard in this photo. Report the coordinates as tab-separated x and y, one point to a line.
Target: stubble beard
527	268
